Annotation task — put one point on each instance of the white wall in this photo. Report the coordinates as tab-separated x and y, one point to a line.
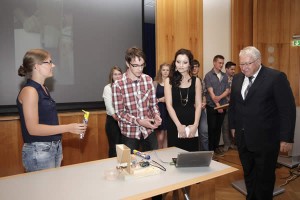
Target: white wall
216	31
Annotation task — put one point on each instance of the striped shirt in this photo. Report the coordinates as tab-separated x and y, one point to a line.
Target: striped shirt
134	100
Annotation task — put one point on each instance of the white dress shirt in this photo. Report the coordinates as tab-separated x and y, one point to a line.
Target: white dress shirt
246	82
107	96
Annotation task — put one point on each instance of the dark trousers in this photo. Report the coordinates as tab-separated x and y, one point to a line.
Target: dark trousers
259	169
148	144
113	135
214	123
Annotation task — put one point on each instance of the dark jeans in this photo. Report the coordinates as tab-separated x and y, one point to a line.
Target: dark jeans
113	135
214	122
148	144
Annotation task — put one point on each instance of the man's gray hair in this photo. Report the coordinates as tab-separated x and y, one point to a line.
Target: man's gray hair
250	51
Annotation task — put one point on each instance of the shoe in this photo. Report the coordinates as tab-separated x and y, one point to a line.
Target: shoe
221	149
225	148
218	152
232	146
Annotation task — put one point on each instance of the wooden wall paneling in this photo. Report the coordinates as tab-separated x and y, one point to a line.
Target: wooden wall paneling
273	21
294	75
277	21
94	145
241	27
178	25
11	143
72	153
275	55
164	32
89	144
181	25
102	138
196	28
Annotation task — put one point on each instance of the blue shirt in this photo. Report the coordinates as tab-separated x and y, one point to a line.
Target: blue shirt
47	114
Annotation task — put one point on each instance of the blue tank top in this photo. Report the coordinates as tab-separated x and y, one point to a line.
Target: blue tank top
47	114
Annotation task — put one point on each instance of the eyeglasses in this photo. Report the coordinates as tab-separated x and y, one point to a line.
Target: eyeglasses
135	66
248	63
49	62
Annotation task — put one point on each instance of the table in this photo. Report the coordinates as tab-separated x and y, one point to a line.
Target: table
86	181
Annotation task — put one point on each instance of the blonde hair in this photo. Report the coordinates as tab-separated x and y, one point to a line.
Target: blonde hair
158	77
111	81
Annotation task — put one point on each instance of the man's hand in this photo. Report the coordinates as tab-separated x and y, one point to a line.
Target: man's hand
220	110
216	99
157	120
147	123
115	117
285	147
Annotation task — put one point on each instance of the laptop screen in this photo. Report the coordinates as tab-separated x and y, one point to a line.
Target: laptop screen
193	159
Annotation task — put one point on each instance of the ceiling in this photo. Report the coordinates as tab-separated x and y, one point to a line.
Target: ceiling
149	11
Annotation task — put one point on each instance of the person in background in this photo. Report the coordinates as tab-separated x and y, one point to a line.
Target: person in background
111	126
161	131
41	131
217	86
203	132
183	100
227	137
262	117
135	104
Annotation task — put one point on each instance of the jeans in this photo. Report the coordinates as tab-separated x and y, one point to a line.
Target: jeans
41	155
148	144
203	131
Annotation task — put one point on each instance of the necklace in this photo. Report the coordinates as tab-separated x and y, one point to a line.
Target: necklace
184	101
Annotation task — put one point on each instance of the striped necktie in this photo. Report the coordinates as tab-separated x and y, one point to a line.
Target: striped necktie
248	87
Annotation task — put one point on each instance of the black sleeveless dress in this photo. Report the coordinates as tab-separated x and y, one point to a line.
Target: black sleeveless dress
162	107
185	112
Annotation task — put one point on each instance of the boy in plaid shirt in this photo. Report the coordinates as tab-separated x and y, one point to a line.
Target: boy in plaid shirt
135	104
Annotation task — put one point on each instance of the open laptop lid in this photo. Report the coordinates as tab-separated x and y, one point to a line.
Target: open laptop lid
194	159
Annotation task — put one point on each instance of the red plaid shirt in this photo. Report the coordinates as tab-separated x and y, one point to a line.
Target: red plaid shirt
134	100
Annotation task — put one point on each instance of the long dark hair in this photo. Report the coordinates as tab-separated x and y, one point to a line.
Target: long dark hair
175	76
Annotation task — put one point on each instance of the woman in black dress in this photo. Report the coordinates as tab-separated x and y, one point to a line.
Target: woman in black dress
161	131
183	100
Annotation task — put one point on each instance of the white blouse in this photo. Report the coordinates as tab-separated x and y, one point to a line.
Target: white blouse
107	96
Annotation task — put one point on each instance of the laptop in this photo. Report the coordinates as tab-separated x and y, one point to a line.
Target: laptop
193	159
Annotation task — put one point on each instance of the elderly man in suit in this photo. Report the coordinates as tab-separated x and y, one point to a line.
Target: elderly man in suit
262	116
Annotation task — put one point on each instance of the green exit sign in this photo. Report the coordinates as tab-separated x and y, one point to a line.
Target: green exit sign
296	43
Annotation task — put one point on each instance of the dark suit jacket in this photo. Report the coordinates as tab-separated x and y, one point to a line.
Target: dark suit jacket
268	114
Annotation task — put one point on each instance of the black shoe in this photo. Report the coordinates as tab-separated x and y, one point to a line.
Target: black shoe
218	152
